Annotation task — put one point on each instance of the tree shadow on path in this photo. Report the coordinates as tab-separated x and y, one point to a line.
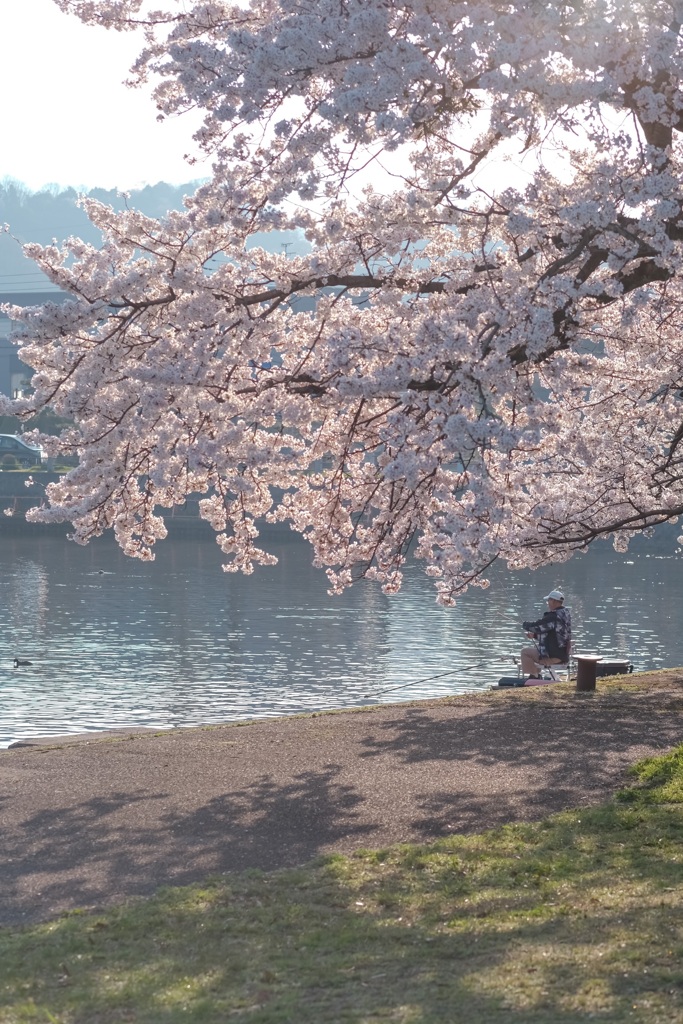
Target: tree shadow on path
103	850
77	834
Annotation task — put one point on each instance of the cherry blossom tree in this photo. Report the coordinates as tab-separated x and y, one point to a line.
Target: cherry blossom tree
488	363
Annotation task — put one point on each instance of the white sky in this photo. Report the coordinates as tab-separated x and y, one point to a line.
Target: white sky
67	119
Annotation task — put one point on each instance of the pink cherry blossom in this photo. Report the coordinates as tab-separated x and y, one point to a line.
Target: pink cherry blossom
489	361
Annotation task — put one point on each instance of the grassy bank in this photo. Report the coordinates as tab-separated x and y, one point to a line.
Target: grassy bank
574	918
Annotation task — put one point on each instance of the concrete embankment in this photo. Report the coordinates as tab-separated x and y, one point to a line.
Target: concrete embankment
17	497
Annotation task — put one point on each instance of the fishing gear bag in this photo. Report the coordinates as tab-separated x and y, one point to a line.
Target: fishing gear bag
613	668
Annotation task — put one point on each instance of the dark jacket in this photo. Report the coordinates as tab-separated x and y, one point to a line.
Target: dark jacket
553	633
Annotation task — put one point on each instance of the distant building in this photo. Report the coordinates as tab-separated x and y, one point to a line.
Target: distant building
14	375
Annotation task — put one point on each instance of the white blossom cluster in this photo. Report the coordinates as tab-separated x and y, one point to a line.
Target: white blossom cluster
491	364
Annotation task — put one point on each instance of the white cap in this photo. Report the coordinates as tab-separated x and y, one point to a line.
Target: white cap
554	595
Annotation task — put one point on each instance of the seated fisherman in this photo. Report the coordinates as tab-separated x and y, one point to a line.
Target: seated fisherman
553	636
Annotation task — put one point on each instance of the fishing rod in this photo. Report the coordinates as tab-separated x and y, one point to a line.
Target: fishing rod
439	675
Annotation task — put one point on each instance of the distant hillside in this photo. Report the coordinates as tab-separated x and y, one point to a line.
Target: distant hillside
53	214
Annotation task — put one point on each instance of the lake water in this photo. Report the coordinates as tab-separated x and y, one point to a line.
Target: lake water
177	642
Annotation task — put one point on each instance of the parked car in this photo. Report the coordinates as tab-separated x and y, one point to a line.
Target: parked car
24	453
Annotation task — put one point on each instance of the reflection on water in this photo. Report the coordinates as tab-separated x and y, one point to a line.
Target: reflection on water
115	642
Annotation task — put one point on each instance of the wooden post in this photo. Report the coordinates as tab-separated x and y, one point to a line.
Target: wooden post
585	672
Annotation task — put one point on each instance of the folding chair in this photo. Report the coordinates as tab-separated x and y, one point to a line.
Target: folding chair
558	673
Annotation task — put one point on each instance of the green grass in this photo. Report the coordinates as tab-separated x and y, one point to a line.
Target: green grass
575	918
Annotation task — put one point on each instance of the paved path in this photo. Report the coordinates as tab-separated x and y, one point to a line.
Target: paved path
90	822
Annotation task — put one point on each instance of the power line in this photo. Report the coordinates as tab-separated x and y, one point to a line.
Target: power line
36	275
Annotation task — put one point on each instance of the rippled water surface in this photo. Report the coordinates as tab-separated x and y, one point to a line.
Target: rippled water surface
115	642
